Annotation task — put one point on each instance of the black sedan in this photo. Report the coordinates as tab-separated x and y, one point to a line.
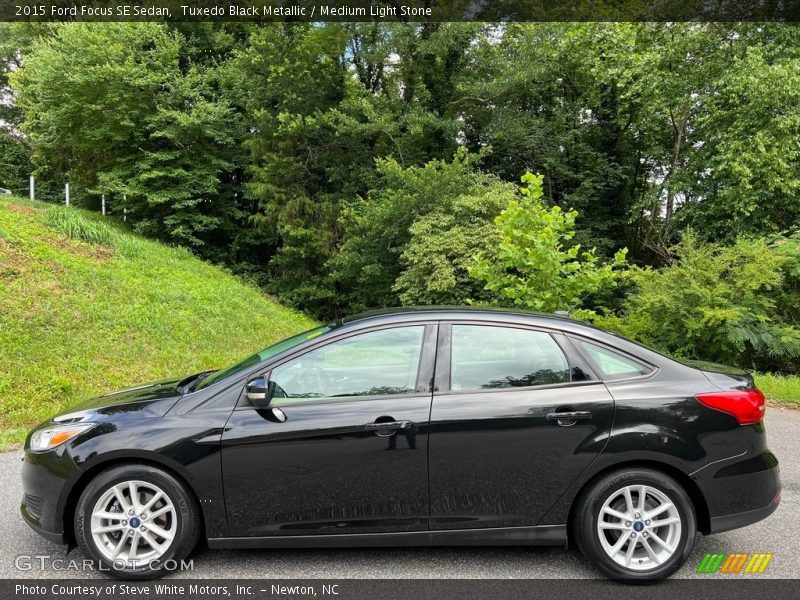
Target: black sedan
407	428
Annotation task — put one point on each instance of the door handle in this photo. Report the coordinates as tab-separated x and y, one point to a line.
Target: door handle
568	418
388	425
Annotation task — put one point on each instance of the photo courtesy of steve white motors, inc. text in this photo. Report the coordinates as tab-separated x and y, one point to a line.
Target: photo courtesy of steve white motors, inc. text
124	11
194	590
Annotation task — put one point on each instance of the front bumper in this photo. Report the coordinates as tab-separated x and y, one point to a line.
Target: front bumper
51	536
47	478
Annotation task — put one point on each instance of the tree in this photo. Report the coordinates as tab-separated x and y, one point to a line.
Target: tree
540	96
110	107
15	152
745	177
534	267
328	102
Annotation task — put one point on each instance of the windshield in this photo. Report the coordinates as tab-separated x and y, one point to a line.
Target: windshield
266	353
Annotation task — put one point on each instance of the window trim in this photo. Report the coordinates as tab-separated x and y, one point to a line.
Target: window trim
574	338
444	359
424	369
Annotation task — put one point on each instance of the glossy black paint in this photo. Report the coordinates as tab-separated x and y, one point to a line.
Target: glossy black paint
484	466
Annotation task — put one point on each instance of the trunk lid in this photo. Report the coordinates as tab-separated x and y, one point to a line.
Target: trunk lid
724	376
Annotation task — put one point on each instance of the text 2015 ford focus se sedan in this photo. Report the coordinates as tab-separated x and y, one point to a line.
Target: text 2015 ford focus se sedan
413	428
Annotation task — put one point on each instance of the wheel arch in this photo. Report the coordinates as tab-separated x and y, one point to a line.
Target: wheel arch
688	484
86	476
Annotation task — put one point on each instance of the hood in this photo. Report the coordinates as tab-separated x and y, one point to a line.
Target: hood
150	399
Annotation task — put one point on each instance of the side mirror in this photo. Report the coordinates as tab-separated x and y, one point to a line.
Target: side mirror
258	392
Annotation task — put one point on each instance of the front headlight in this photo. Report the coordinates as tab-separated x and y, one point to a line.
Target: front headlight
50	437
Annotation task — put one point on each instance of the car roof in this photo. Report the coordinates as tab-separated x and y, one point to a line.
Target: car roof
397	315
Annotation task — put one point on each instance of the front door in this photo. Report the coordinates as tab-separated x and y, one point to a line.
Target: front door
499	457
351	455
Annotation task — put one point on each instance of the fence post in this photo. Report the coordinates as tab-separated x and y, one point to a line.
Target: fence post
103	204
66	193
32	188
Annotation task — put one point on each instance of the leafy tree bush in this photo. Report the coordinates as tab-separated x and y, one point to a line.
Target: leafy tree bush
716	302
15	163
111	107
534	266
412	239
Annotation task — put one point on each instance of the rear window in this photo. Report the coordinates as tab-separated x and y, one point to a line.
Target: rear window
611	364
487	357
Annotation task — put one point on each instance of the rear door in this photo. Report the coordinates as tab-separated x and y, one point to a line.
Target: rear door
517	415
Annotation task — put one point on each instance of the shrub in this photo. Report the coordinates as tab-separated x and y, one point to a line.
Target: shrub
534	265
413	238
714	302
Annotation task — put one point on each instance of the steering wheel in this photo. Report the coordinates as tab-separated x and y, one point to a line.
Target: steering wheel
315	378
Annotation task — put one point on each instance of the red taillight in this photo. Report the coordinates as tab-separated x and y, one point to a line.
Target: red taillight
746	405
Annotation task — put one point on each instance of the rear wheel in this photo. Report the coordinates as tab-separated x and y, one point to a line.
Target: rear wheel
136	521
635	525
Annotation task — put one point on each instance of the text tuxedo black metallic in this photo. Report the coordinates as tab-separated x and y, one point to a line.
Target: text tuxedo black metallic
416	427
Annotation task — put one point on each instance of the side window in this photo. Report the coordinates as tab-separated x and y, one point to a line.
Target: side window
486	357
611	364
376	363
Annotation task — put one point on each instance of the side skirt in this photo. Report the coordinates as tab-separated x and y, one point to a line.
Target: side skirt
540	535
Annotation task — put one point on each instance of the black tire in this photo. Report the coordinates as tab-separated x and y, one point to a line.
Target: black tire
187	512
587	511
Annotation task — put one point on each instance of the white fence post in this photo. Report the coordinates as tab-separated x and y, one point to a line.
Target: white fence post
66	193
103	205
32	188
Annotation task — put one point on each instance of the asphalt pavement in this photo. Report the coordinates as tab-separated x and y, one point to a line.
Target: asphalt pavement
779	534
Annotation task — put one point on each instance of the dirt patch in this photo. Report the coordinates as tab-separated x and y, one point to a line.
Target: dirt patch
782	406
95	251
13	261
18	208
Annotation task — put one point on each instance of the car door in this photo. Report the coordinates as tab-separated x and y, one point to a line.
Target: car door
500	454
343	446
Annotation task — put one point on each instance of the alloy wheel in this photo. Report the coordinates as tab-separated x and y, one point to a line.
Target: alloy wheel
639	527
134	522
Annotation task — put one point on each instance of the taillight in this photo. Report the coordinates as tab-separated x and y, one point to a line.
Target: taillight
746	405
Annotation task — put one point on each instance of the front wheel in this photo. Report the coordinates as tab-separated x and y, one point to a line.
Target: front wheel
136	521
635	525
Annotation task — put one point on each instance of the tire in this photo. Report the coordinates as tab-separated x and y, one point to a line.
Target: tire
604	536
169	533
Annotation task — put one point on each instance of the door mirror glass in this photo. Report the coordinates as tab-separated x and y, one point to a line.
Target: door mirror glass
258	392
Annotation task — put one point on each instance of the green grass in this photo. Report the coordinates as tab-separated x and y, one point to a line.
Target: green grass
87	307
781	389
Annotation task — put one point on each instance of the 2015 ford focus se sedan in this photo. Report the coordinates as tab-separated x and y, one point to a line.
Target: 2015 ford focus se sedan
409	428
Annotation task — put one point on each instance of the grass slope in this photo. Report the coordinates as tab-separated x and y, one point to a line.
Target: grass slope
781	389
86	307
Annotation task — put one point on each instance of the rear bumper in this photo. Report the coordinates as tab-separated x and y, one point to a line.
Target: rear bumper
742	492
742	519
